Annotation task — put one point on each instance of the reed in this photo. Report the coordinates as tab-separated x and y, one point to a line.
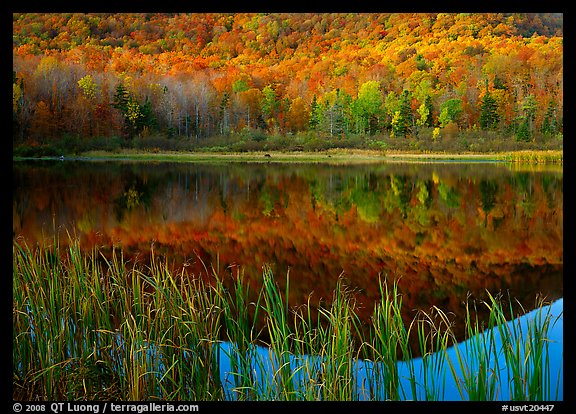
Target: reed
534	157
388	344
241	333
96	327
479	381
434	336
525	352
276	309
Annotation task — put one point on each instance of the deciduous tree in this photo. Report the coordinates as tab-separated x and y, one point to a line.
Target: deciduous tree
298	115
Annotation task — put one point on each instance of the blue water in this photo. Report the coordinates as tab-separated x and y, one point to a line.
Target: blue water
446	388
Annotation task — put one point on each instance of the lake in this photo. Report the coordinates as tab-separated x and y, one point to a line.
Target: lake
446	231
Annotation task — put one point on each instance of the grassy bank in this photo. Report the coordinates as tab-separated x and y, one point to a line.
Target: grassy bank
337	156
90	327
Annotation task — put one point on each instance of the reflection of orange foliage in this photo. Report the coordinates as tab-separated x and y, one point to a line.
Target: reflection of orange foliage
439	260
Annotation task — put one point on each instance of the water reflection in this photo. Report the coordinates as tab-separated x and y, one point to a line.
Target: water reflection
448	231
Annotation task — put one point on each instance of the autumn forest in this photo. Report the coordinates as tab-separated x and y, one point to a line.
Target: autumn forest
250	81
287	206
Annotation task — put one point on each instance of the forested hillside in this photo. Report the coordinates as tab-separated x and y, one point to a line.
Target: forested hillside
243	78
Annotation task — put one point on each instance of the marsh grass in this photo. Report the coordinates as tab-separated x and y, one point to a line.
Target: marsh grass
96	327
534	156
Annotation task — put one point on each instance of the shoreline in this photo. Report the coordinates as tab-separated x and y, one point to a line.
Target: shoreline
333	155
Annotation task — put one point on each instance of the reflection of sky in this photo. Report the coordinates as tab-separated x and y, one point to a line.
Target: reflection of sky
264	368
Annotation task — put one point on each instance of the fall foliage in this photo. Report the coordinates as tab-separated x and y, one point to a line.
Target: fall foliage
195	76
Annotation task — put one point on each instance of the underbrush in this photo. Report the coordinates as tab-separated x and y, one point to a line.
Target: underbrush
254	140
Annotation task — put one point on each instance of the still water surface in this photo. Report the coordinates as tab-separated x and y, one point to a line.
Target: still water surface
446	231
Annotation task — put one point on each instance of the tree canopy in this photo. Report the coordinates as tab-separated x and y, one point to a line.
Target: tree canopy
199	75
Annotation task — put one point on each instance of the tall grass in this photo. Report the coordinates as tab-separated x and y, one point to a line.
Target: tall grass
534	156
90	326
519	359
388	343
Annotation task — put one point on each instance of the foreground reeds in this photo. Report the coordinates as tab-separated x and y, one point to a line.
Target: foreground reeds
90	327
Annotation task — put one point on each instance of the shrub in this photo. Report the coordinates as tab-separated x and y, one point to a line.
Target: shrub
450	132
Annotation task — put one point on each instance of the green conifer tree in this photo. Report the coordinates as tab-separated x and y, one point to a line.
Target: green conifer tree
403	117
489	116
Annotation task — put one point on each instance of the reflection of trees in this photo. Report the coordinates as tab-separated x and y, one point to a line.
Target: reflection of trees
417	222
367	202
136	193
488	191
402	189
549	186
268	198
419	213
448	195
525	186
20	207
